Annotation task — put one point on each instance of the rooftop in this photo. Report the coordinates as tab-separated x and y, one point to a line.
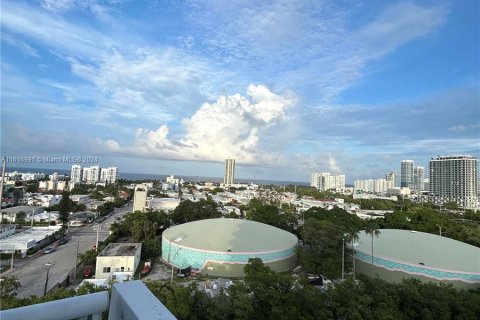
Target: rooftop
120	249
234	235
418	247
35	233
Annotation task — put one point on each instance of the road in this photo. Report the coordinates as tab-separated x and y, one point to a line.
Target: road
32	273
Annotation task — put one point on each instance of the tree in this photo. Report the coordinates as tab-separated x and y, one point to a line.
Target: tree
322	251
8	287
20	217
373	230
352	236
65	206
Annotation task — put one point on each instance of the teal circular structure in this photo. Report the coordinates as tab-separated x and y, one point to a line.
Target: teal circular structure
399	254
222	247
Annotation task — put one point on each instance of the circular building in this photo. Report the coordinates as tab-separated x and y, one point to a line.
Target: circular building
399	254
222	247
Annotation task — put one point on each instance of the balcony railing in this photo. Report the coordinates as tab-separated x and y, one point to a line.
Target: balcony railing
129	300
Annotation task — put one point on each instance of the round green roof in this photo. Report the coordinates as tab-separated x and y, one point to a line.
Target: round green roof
230	235
418	248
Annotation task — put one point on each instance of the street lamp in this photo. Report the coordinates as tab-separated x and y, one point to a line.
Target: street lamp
97	227
440	227
46	279
177	240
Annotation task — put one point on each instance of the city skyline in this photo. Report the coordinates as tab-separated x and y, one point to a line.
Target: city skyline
286	88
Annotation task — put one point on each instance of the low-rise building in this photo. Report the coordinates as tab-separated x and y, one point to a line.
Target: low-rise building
80	198
118	257
7	230
27	239
10	214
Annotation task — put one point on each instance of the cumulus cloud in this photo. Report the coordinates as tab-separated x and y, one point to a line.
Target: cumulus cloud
231	126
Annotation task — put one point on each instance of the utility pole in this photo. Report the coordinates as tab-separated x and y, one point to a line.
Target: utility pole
46	279
343	258
13	255
76	263
98	230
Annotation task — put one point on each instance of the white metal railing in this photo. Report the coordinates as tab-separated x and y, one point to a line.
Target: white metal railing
129	300
70	308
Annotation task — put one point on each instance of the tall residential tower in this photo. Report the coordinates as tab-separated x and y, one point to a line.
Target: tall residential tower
229	177
406	174
454	179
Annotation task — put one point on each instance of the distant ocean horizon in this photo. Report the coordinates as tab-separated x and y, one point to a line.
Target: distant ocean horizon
150	176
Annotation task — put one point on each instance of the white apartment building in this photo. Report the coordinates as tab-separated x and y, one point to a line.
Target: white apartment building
56	177
406	174
109	174
229	177
76	174
32	176
91	175
419	178
325	181
391	176
454	178
118	257
376	186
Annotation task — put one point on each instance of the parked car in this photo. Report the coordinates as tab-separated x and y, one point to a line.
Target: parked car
49	249
87	272
63	240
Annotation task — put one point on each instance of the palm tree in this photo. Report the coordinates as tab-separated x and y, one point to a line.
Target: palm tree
372	230
352	236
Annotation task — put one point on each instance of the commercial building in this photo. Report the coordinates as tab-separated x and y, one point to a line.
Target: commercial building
109	174
229	177
27	239
454	179
140	198
222	247
7	230
10	214
118	257
406	174
325	181
400	254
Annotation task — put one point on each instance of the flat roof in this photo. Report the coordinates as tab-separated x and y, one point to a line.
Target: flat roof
35	233
235	235
120	249
413	247
26	209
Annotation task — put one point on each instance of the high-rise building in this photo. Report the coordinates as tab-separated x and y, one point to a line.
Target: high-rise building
391	176
91	175
406	174
454	179
324	181
229	177
76	174
140	198
109	174
419	178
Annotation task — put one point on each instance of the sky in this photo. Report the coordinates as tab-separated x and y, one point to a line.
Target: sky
287	88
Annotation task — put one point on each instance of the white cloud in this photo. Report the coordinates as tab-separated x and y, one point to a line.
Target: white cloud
55	32
232	126
314	43
156	83
23	46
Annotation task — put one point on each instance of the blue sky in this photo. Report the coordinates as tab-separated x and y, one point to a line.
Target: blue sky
285	87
